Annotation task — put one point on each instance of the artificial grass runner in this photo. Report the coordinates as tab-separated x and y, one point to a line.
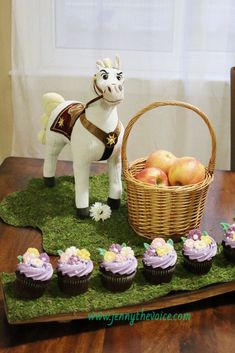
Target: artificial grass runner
53	302
53	212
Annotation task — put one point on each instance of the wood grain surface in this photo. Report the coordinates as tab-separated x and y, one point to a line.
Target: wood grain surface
211	327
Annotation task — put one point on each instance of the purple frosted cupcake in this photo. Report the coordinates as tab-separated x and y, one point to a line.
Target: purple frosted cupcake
118	267
229	241
33	273
198	252
159	261
74	270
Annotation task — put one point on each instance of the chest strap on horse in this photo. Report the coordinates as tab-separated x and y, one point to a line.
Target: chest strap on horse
109	139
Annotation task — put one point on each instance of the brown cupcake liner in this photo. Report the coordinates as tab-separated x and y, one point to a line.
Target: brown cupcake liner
116	282
28	288
198	268
228	252
73	285
158	275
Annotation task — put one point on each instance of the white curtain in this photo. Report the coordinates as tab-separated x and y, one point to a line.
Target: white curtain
171	50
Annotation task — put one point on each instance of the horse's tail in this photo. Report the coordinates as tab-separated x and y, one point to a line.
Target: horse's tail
49	102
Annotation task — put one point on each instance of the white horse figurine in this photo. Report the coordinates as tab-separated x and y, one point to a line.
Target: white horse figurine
93	130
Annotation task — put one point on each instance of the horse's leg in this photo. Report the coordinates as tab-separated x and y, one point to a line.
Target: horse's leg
81	175
53	148
115	182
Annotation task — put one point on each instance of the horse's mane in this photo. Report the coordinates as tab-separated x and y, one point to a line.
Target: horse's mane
107	63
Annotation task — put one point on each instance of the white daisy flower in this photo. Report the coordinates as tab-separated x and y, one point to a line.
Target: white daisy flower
100	211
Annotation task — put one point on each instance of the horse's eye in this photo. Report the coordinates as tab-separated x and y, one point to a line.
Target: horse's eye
105	76
119	77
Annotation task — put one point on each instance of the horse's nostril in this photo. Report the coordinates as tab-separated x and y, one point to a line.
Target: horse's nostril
109	89
120	87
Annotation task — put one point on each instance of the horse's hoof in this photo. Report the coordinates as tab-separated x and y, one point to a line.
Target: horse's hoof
83	212
49	181
114	204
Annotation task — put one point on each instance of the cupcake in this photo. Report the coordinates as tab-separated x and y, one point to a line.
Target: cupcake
33	273
118	267
198	251
229	241
159	261
74	270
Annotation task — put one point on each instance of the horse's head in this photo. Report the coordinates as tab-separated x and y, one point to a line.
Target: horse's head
109	81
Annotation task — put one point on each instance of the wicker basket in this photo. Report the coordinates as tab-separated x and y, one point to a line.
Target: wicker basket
165	211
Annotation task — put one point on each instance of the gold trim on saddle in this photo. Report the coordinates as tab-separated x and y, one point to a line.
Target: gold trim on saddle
66	119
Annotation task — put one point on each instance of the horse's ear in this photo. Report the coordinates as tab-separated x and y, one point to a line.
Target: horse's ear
117	63
99	64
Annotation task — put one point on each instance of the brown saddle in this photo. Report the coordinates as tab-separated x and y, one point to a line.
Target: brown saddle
64	122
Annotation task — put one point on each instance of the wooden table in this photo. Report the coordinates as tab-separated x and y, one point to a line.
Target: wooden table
211	328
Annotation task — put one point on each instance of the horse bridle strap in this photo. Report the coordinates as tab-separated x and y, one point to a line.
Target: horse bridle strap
77	109
93	100
109	139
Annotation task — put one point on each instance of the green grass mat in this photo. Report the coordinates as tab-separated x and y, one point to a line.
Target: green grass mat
98	298
52	210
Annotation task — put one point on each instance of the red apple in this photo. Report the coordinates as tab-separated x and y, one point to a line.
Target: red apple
186	171
161	159
153	176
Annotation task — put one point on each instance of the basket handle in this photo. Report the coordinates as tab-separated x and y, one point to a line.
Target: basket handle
211	164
